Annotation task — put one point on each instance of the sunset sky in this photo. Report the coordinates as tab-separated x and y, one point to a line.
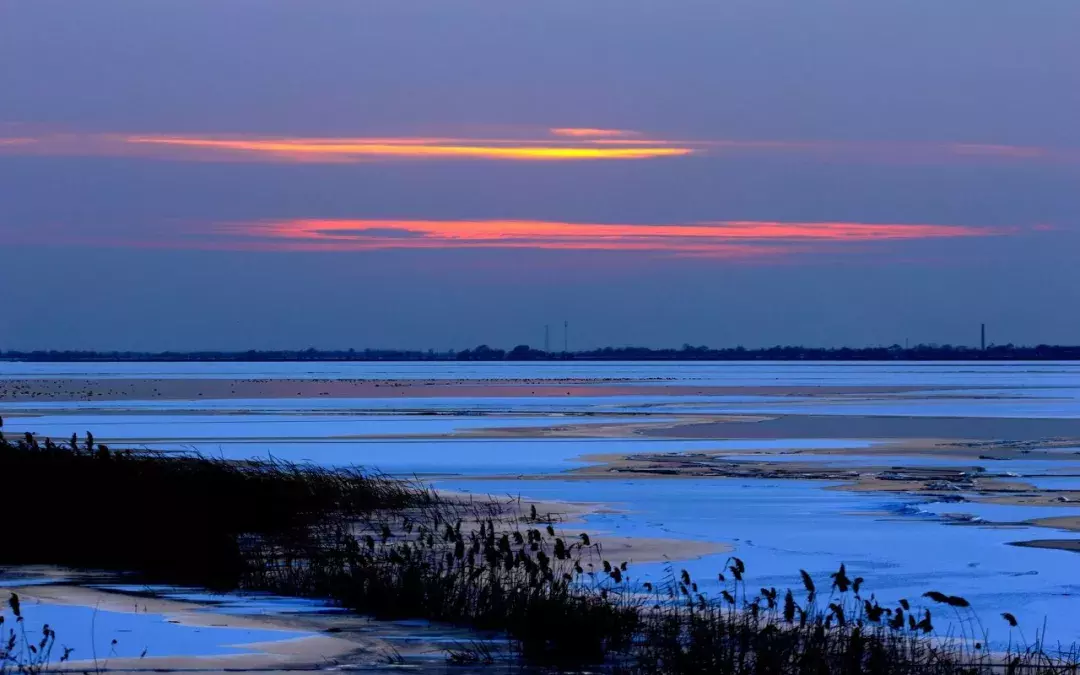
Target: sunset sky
199	174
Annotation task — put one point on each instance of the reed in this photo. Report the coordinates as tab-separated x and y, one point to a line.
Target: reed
182	518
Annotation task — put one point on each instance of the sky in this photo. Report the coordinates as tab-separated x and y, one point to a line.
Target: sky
263	174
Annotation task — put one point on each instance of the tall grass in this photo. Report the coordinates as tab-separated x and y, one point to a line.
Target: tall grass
396	550
559	603
182	518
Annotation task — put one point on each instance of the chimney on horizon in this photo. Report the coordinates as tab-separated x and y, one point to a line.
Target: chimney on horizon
982	336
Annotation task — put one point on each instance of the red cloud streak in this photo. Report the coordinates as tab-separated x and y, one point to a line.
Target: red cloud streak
749	241
713	239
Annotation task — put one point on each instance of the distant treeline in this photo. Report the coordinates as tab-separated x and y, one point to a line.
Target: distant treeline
929	352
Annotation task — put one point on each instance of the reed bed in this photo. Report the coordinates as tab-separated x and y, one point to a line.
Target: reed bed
539	597
182	518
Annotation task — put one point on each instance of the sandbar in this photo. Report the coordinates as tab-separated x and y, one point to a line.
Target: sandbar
1056	544
878	427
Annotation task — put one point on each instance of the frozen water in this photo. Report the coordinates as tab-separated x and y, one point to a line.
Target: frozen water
91	631
747	374
202	427
901	544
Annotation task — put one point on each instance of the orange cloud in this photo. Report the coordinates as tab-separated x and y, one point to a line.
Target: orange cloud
714	239
356	149
339	150
553	145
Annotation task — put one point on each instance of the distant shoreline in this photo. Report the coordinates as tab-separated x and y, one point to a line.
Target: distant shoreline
523	353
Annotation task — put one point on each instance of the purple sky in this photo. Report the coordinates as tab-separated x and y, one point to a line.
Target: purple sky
190	174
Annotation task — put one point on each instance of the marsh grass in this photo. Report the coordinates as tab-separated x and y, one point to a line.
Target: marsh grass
179	518
396	550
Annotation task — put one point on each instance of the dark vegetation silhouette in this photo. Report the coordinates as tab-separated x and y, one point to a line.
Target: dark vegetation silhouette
922	352
183	518
538	596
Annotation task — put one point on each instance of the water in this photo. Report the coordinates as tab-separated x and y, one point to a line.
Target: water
477	457
735	374
1055	482
234	604
196	427
903	545
92	631
1004	513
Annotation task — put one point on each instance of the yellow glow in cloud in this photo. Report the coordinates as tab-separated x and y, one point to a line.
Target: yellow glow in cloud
552	145
357	149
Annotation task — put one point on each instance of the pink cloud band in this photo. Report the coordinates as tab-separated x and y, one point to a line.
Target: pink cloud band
724	238
730	240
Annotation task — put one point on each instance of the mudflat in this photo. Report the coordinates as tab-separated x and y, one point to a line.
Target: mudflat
82	389
877	427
